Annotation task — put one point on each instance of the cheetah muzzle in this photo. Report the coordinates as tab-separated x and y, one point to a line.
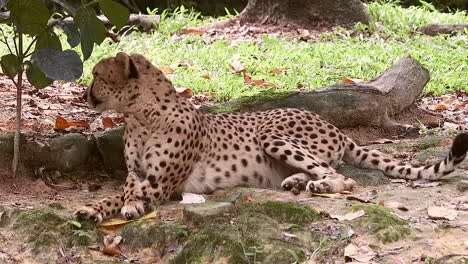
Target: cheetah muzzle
170	147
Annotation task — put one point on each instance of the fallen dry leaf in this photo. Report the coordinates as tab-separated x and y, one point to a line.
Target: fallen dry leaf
458	106
349	216
119	223
452	126
61	123
361	254
166	69
246	198
184	92
237	66
441	107
111	245
419	184
107	122
182	63
352	80
262	83
326	195
194	30
366	197
441	213
394	204
206	76
276	71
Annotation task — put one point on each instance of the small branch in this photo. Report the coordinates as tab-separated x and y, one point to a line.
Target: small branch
5	41
19	86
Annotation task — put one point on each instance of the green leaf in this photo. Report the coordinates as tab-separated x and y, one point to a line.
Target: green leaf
75	223
48	40
73	36
115	12
10	65
91	30
3	3
36	77
59	65
65	5
29	16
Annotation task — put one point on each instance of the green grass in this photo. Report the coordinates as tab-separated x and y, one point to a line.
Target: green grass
362	53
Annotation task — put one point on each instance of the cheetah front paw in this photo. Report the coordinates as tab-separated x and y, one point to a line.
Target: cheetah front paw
133	209
330	185
87	212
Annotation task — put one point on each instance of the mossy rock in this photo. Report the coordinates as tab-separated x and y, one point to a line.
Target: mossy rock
251	234
207	212
364	177
379	221
289	212
45	229
153	234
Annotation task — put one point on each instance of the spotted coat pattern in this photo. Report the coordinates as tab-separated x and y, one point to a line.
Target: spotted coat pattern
170	147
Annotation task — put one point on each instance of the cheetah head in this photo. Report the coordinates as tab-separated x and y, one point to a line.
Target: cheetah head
121	83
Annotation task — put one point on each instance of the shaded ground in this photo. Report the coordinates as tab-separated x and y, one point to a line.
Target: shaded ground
407	235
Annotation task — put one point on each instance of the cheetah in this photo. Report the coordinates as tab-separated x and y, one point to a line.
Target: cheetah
171	147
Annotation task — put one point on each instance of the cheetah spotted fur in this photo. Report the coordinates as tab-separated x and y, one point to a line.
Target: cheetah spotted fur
171	147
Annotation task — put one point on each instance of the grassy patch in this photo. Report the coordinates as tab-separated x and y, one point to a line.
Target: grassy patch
362	52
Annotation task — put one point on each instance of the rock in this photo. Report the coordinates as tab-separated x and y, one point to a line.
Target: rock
69	152
441	213
436	29
348	104
364	177
202	213
462	186
111	148
379	221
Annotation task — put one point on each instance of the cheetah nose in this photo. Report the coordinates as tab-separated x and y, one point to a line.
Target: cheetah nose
85	96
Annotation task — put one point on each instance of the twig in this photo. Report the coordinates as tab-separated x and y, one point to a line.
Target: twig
444	258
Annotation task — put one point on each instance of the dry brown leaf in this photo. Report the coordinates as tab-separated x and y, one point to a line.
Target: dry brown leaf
349	216
359	253
458	106
394	204
276	71
182	63
441	107
206	76
166	69
352	80
194	30
246	198
237	66
184	92
262	83
111	251
107	122
61	123
119	120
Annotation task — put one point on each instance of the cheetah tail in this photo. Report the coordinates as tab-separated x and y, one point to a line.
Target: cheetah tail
373	159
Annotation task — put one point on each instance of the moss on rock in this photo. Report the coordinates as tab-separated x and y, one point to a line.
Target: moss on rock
380	222
289	212
43	228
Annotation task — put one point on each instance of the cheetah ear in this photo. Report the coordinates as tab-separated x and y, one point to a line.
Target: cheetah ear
129	66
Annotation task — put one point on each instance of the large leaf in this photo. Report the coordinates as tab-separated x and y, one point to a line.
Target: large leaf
36	77
3	3
29	16
65	4
91	30
59	65
73	36
10	65
48	40
115	12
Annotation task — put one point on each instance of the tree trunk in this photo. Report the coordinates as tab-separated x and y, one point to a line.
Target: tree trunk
304	14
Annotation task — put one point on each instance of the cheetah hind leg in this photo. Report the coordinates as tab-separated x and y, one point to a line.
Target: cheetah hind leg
100	210
332	183
323	178
296	182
